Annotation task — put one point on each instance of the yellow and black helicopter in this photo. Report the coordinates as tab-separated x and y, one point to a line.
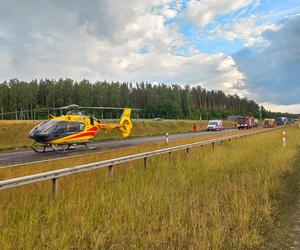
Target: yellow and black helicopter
74	128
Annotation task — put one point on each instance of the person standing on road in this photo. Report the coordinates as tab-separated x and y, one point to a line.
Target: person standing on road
194	127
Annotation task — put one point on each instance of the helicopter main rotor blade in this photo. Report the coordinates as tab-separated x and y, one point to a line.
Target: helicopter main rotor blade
25	110
112	108
75	106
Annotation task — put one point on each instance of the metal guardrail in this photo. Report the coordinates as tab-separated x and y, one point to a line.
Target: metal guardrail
54	175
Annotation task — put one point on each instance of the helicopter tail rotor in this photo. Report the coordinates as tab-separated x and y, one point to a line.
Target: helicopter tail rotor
125	122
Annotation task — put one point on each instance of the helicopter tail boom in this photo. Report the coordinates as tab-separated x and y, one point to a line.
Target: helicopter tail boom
125	122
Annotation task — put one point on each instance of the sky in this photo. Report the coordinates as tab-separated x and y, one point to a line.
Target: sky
245	47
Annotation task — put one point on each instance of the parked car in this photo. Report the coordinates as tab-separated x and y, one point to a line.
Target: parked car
214	125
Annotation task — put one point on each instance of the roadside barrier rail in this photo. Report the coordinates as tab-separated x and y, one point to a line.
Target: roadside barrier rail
54	175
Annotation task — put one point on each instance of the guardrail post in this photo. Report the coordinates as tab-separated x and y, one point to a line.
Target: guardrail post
145	163
170	155
110	172
213	147
54	186
187	151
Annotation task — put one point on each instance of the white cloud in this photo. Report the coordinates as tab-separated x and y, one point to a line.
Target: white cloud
246	29
216	71
293	108
168	12
204	12
99	41
113	20
3	34
4	62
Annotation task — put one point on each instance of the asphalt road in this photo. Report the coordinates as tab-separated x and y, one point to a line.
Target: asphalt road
22	157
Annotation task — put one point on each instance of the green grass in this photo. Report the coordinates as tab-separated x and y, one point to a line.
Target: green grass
208	200
14	134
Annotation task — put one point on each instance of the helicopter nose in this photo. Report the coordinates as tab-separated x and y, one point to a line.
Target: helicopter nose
31	134
39	137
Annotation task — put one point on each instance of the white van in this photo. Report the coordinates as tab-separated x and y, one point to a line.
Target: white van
215	125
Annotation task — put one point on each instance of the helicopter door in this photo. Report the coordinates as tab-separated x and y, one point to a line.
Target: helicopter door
72	128
60	129
64	128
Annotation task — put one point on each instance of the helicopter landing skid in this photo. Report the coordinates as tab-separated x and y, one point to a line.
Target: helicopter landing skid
88	147
57	148
62	148
68	148
41	149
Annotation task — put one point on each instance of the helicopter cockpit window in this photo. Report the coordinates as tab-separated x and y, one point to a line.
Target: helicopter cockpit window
65	128
71	128
75	127
81	126
61	127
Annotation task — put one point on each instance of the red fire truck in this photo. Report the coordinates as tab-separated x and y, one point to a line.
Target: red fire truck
245	122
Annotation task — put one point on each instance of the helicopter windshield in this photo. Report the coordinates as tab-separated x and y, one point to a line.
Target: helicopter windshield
45	126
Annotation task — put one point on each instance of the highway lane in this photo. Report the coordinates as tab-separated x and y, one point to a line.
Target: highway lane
21	157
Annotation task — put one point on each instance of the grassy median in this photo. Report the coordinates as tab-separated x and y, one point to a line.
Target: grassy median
228	198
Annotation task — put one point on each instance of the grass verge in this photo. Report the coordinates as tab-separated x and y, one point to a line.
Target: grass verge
208	200
285	234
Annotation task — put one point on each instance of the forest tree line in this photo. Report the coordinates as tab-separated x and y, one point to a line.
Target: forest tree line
166	101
